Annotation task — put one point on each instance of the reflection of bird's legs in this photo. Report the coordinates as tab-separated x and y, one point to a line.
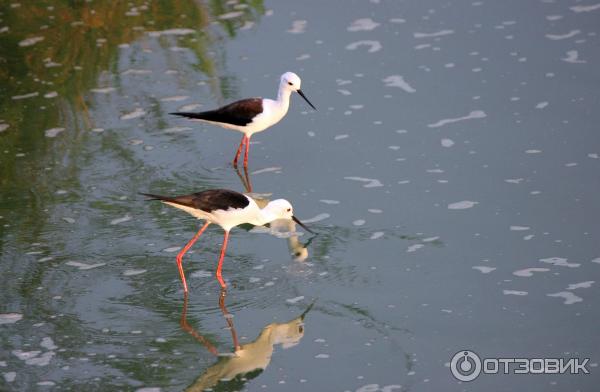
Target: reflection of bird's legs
229	319
188	328
187	247
245	179
239	150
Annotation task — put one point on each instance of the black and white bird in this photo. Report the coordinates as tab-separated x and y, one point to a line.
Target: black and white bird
227	209
252	115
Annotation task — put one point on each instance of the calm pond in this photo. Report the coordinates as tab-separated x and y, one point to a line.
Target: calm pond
451	172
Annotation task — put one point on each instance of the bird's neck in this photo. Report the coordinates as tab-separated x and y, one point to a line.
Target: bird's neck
283	97
264	216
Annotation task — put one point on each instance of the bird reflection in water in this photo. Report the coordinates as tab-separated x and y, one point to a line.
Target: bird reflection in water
281	227
247	361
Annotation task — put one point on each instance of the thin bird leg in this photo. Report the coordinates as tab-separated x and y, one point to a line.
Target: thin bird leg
220	265
183	251
239	151
229	319
246	153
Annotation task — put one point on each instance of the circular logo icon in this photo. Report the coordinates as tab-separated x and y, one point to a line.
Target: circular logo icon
465	365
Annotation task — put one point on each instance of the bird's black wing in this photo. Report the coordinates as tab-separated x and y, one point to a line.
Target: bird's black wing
237	113
209	200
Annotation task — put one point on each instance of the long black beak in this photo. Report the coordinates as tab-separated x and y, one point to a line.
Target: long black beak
306	99
302	224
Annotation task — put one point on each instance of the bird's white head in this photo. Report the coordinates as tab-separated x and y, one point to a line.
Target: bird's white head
290	81
281	209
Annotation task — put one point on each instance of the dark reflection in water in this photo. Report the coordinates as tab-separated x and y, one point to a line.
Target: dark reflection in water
233	370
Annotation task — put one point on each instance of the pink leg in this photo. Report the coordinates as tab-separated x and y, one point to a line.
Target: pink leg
220	265
183	251
239	151
246	153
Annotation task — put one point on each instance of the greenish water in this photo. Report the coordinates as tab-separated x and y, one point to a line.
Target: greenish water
451	172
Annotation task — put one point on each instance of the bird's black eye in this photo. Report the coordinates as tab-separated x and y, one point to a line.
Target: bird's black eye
290	83
301	329
289	210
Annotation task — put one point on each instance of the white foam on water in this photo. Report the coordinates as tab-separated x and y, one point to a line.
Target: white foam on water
137	112
369	182
25	355
298	27
585	8
519	228
514	292
84	266
124	219
10	318
316	218
359	222
533	151
322	356
568	296
177	130
9	376
374	46
340	137
51	94
191	107
175	98
559	261
4	127
528	272
581	285
473	115
171	32
25	96
294	300
398	81
275	169
201	274
172	249
363	24
148	389
376	235
231	15
573	57
557	37
326	201
462	205
53	132
103	90
48	343
30	41
447	142
414	248
133	272
135	71
596	260
434	34
541	105
483	269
